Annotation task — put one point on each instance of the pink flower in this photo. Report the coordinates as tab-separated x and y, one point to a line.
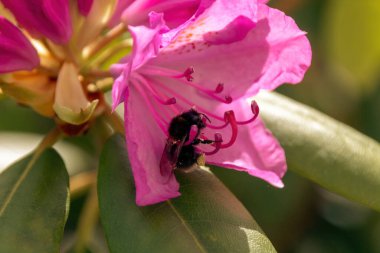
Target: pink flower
84	6
135	12
17	53
50	18
215	61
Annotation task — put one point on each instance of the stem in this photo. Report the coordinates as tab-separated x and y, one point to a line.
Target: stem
70	56
87	221
112	52
100	43
49	140
81	182
97	74
115	120
103	85
52	52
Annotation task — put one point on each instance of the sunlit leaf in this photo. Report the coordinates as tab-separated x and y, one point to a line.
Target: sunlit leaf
324	150
290	206
206	218
33	204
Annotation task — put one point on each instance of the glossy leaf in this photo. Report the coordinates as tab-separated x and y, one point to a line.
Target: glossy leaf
33	204
206	218
324	150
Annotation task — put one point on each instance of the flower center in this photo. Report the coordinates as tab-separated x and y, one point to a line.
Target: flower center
148	85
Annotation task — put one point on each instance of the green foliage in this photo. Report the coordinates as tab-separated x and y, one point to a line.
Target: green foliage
33	204
324	150
206	218
352	39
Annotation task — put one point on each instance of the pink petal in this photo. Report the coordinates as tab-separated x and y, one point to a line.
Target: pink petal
146	45
223	20
48	18
84	6
175	11
272	53
120	87
145	145
121	5
147	41
255	151
16	52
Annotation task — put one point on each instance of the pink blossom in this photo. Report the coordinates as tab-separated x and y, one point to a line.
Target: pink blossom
135	12
50	18
84	6
17	53
121	5
224	54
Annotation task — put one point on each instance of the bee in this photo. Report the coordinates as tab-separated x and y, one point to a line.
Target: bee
178	152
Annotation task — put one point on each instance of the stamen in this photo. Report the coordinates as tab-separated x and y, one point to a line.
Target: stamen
218	144
159	71
187	74
211	93
217	127
159	97
160	121
192	135
170	101
219	88
230	117
228	99
255	109
182	98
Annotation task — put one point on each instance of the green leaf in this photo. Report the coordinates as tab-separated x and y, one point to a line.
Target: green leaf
206	218
352	29
33	204
324	150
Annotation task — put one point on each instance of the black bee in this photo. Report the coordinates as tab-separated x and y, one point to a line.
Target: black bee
178	155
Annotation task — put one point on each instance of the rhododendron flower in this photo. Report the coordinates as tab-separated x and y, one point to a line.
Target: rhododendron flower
214	62
135	12
45	45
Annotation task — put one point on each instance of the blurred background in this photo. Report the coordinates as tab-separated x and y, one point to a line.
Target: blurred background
343	82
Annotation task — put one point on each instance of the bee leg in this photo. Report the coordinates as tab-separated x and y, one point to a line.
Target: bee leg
206	141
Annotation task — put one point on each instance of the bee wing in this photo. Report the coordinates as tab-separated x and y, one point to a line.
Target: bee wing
170	155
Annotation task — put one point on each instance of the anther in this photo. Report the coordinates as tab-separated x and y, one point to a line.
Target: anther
219	88
255	110
157	95
228	99
170	101
230	117
187	74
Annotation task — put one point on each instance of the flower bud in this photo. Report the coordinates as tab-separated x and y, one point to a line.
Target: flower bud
71	104
32	89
